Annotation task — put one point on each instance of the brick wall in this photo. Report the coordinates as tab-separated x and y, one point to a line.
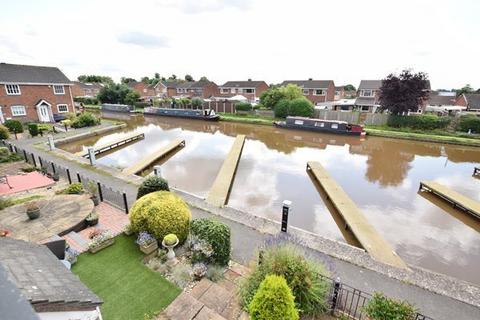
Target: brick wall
29	97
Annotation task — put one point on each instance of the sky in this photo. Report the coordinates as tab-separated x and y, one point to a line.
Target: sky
343	40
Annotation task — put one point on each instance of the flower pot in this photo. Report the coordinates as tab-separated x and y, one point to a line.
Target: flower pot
102	245
170	253
33	214
95	200
150	248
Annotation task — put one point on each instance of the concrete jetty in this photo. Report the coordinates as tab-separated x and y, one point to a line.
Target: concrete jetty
144	163
456	199
365	233
218	194
113	145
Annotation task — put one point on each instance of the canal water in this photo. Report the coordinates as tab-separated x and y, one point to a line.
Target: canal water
381	176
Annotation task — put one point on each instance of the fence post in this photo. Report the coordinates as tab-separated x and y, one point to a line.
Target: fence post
125	202
41	162
336	290
53	168
100	191
33	159
69	177
78	177
25	155
285	210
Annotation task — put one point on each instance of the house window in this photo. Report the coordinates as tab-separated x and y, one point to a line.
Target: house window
366	93
12	89
334	125
365	108
318	92
18	111
249	90
62	108
320	124
305	92
58	89
225	90
179	90
298	121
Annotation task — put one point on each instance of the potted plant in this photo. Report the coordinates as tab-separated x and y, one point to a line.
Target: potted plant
100	240
71	255
169	242
147	242
127	230
199	270
381	307
93	190
33	210
92	219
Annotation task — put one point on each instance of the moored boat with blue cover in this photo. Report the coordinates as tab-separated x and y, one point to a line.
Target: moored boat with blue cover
207	114
320	125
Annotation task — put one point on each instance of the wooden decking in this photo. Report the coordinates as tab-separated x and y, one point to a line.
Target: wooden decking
218	194
456	199
144	163
113	145
365	233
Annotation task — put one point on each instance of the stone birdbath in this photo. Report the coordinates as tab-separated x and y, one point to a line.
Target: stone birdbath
169	242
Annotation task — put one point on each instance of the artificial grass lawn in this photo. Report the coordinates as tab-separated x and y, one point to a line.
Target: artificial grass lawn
129	289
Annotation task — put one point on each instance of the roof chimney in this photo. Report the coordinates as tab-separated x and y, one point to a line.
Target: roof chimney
249	79
310	79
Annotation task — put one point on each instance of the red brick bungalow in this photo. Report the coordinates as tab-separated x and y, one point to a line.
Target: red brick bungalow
469	100
251	90
316	91
33	93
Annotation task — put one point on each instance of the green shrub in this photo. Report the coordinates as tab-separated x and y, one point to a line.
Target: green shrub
243	106
273	300
303	276
141	104
217	235
4	134
160	213
383	308
7	156
197	102
86	119
423	122
469	122
215	273
67	122
296	107
4	152
45	127
74	188
14	125
152	184
86	100
5	203
33	129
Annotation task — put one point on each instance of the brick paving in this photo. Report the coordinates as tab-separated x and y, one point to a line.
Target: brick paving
23	182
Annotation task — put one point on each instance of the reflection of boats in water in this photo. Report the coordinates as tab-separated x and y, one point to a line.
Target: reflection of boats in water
207	114
320	125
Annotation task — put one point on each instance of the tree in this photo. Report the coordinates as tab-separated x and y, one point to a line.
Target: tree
127	80
94	78
349	87
145	80
114	93
157	75
404	92
272	96
132	97
466	89
188	78
172	77
204	79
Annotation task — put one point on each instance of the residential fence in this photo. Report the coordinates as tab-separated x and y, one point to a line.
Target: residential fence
355	117
112	196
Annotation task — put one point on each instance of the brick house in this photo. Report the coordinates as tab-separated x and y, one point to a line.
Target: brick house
33	93
87	90
200	89
469	100
368	95
251	90
339	93
316	91
146	91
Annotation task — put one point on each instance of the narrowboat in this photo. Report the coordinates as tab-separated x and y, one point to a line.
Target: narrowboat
320	125
207	114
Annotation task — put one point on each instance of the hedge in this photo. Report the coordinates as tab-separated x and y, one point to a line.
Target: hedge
4	134
469	122
217	235
423	122
14	125
86	119
86	100
152	184
297	107
243	106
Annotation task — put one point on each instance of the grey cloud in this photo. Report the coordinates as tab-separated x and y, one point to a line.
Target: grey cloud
143	39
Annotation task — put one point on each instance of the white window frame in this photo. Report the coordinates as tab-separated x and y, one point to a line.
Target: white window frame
362	93
316	94
16	114
299	122
320	124
225	90
17	89
334	126
244	90
62	105
58	86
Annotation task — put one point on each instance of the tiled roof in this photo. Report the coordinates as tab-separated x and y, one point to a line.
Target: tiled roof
441	98
16	73
193	84
90	85
243	84
473	100
309	84
43	279
370	84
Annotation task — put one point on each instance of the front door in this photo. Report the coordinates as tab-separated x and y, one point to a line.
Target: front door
43	114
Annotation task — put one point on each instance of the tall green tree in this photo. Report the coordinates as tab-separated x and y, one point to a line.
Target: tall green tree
94	78
350	87
188	78
131	98
127	80
270	98
466	89
114	93
404	92
204	79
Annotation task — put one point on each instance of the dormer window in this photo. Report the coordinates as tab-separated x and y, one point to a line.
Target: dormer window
366	93
58	89
12	89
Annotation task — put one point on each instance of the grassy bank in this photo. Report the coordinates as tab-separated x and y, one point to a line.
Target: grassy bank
248	118
128	288
428	136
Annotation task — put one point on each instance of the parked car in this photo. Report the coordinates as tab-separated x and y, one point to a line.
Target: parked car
57	117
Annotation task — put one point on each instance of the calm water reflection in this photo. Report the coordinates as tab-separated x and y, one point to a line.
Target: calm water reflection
380	175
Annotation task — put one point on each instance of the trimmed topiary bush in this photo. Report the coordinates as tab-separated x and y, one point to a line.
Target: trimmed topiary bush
33	129
86	119
303	276
243	106
14	125
301	107
216	234
161	213
383	308
273	301
152	184
74	188
4	134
